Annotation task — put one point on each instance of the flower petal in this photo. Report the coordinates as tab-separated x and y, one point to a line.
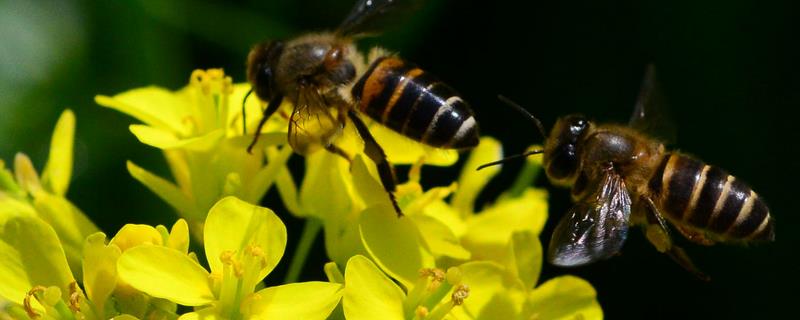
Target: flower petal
132	235
99	270
326	189
525	251
58	170
166	273
366	184
30	255
488	233
472	181
163	189
304	300
439	238
394	243
369	293
494	293
233	224
179	236
402	150
27	177
154	106
71	225
565	297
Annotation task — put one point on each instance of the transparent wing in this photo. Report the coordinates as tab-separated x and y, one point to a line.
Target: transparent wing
312	126
371	16
651	113
594	228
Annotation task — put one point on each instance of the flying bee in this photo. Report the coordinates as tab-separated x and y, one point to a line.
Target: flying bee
622	175
328	81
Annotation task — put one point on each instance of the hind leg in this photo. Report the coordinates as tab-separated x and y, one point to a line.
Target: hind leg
657	232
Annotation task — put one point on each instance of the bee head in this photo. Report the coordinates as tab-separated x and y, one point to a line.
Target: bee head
261	65
561	154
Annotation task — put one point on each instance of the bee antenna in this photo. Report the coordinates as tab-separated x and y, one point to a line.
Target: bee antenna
244	114
522	110
509	158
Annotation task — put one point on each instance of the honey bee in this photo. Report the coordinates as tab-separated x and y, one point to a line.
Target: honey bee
328	81
622	175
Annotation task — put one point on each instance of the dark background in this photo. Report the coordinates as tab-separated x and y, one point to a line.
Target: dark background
728	68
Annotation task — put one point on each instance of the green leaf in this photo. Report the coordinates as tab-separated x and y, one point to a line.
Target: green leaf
164	190
58	170
565	297
304	300
30	255
370	294
233	224
471	181
394	243
166	273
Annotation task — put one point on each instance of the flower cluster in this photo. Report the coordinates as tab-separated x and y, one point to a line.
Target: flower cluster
445	259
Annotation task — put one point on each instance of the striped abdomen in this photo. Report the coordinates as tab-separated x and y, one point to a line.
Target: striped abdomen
708	198
416	104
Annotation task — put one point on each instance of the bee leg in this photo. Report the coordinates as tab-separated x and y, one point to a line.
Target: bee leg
273	105
332	148
375	152
695	236
657	232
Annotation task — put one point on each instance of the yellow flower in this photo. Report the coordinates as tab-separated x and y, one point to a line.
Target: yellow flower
37	279
243	244
199	129
496	250
25	193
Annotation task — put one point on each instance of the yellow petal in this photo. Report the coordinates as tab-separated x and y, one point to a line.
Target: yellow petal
439	238
565	297
30	255
99	270
132	235
210	313
71	225
493	292
370	294
489	232
233	224
304	300
342	238
58	170
163	189
402	150
154	106
326	188
262	180
525	251
366	183
471	181
166	273
394	243
27	177
164	139
179	236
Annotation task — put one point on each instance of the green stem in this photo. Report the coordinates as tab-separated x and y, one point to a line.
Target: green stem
525	178
310	230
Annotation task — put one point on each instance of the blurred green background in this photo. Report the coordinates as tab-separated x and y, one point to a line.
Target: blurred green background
729	69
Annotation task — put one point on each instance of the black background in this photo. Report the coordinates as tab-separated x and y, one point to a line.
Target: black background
728	68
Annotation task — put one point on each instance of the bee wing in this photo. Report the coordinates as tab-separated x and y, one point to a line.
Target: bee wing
594	228
651	113
312	126
371	16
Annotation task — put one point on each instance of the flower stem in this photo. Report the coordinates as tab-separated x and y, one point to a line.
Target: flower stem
310	230
526	177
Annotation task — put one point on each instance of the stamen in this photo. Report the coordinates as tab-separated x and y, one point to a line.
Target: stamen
459	294
26	303
75	296
421	312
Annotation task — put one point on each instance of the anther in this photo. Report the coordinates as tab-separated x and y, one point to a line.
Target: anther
26	303
421	312
75	296
459	294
